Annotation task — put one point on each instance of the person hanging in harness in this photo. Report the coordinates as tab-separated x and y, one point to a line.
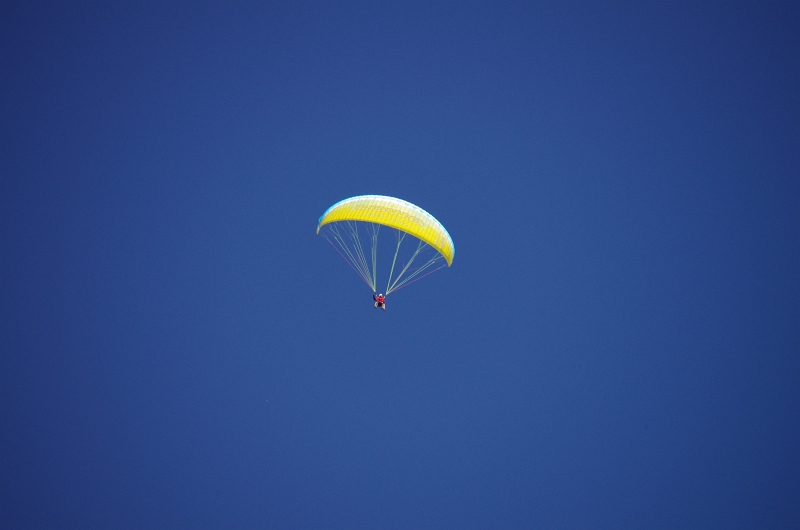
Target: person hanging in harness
380	301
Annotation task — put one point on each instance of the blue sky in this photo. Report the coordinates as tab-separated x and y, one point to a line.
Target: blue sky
616	343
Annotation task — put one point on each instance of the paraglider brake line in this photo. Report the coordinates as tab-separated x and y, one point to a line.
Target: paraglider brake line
351	265
358	260
416	280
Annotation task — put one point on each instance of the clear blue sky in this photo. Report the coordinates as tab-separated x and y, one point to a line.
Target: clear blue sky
615	346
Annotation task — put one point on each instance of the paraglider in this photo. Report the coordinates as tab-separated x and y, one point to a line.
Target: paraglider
352	226
380	301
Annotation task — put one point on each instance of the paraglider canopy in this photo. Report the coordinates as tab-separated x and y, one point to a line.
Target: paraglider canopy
346	222
395	213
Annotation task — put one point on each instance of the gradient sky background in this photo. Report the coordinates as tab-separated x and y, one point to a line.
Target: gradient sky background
615	346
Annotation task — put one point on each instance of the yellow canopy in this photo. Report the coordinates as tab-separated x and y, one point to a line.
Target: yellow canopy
395	213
